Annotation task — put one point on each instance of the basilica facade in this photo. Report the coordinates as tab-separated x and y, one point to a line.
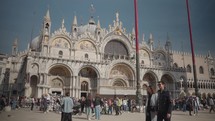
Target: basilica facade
90	59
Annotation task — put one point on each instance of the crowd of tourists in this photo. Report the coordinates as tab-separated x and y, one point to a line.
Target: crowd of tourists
193	104
95	106
52	102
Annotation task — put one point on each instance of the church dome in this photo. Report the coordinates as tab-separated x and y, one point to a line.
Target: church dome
91	28
34	43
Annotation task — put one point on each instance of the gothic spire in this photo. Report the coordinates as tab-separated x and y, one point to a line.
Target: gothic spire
133	31
151	41
62	24
143	38
47	17
75	23
98	24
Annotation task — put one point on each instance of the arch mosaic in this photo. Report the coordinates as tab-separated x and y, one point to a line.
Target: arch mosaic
93	68
86	45
61	42
123	73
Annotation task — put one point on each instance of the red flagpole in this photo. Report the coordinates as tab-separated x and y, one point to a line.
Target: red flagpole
192	49
138	91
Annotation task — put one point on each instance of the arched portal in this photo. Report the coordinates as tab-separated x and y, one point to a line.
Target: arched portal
59	77
169	83
121	79
88	80
33	85
122	73
150	78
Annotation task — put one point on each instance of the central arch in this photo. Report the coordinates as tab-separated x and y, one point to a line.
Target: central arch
88	81
59	76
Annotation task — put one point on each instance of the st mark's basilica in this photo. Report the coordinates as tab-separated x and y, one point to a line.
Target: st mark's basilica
89	59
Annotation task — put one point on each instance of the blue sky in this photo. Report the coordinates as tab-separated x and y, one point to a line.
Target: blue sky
20	18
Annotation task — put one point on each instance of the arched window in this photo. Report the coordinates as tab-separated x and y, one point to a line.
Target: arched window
175	65
47	26
142	62
86	56
212	72
75	29
116	47
84	86
189	69
201	70
60	53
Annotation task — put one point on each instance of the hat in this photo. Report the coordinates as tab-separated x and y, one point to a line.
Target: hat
162	82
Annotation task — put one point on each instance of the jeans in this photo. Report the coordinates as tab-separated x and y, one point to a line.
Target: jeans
88	112
97	112
184	107
196	109
66	116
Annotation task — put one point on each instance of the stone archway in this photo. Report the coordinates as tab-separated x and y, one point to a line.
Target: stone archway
150	79
122	73
169	83
33	85
88	80
59	77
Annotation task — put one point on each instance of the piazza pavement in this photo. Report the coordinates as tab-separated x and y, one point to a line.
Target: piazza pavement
24	114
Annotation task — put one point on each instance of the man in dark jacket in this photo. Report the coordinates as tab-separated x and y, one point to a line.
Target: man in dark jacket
164	103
